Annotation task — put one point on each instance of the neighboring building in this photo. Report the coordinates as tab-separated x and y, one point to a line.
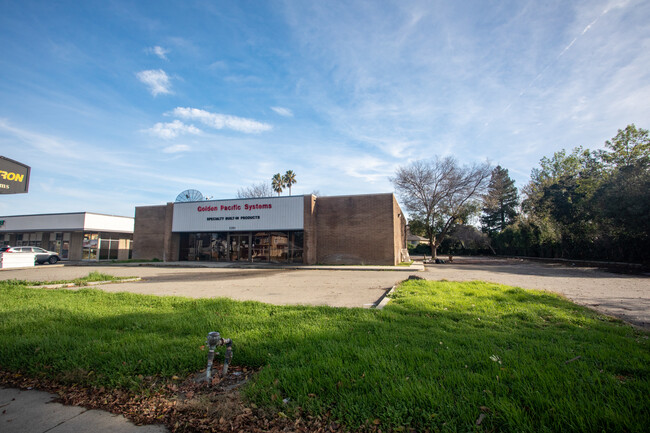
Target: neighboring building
75	236
355	229
415	240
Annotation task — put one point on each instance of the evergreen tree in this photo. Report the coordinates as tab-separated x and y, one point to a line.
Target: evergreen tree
277	183
500	202
289	179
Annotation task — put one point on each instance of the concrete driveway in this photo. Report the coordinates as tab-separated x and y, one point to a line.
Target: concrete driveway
338	288
620	295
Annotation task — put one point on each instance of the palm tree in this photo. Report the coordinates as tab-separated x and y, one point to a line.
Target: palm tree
289	179
277	182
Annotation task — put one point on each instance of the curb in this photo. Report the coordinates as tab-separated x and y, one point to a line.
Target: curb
384	299
415	267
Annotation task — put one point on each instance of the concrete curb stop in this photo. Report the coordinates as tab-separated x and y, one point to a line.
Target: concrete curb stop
384	300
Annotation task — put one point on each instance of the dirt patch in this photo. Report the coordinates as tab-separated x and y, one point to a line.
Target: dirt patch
181	405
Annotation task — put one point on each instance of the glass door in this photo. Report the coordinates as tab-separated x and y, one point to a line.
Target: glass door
239	247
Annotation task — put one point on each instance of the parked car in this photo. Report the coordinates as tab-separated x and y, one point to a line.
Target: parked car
40	255
6	248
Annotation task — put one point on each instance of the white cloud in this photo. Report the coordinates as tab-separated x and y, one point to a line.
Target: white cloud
221	121
283	111
176	148
172	130
157	80
160	52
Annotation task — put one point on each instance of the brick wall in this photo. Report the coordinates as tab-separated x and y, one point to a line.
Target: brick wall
152	232
357	229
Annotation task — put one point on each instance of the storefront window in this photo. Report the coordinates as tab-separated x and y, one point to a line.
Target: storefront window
279	247
261	247
297	240
204	247
108	249
90	246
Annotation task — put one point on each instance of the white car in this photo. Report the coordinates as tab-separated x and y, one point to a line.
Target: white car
40	255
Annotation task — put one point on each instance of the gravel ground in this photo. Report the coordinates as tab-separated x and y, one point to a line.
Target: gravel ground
620	295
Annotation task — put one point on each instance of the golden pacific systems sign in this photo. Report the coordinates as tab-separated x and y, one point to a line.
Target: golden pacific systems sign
14	176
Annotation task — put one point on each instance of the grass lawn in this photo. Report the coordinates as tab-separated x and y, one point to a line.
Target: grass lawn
92	277
437	358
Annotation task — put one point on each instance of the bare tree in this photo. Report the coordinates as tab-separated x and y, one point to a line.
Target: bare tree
441	193
256	190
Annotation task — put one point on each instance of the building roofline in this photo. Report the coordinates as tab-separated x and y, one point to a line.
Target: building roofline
354	195
65	213
235	199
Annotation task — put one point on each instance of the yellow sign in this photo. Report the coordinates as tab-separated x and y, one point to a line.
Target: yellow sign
14	176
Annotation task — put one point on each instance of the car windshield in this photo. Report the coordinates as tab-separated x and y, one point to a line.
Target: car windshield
39	250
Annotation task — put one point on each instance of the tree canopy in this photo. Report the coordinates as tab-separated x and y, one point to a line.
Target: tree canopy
500	203
289	179
440	193
277	183
262	189
587	204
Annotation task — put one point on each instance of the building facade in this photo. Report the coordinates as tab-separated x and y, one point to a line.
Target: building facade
74	236
356	229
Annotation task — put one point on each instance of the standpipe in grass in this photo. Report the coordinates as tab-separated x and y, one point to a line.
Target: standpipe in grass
214	339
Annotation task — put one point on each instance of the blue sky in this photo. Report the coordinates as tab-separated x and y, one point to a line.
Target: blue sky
119	104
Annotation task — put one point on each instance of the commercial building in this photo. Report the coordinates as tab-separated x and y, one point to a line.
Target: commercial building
75	236
355	229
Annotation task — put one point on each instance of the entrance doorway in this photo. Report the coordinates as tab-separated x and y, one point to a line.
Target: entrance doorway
239	246
268	246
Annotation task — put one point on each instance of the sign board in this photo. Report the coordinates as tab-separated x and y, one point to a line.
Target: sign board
14	176
255	214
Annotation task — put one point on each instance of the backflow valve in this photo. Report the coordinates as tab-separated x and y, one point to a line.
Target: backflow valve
214	340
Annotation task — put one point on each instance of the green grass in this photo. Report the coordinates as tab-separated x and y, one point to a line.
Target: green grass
439	355
94	276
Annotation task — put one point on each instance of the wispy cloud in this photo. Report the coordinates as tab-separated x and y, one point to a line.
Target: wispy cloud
159	51
221	121
157	80
177	148
285	112
172	130
59	149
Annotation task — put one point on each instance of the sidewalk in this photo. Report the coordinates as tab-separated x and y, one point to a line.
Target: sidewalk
23	411
416	266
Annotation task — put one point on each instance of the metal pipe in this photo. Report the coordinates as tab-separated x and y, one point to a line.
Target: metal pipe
214	339
212	342
228	357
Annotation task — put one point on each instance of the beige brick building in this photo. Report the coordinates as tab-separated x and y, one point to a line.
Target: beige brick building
355	229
